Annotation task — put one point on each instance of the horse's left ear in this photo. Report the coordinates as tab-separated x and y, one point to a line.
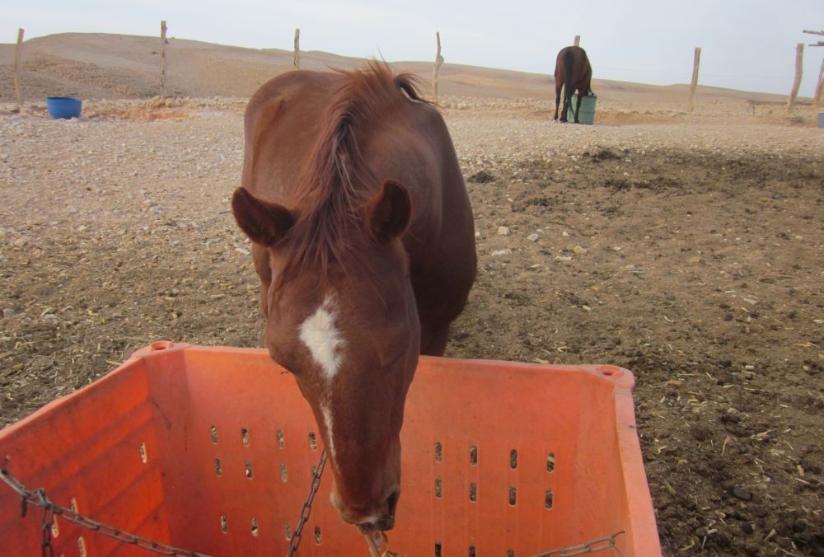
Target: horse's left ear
389	212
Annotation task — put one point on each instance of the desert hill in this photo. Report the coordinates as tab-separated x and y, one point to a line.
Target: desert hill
111	66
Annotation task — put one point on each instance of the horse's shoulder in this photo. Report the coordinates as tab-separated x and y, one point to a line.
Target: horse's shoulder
427	121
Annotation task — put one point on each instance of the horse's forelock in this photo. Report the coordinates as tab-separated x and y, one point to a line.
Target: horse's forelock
335	184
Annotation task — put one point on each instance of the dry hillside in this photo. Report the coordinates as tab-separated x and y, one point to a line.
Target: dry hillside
107	66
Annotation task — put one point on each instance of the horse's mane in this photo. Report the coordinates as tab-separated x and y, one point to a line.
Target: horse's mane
335	184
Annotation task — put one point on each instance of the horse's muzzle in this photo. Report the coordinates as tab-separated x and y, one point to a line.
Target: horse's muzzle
380	525
387	520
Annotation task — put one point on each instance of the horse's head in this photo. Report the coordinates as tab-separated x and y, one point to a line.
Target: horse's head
349	332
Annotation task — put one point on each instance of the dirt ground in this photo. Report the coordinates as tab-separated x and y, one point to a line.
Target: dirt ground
691	255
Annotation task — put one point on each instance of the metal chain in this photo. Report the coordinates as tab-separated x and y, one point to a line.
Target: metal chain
317	472
381	544
46	527
51	509
592	546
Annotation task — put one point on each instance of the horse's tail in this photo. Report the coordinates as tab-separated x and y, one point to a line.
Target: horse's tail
589	76
569	66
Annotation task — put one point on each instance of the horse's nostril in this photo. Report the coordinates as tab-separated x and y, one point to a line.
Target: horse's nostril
386	523
383	519
392	502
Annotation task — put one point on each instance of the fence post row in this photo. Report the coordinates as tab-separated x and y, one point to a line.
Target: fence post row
696	64
799	66
296	55
439	60
17	50
819	87
437	69
163	57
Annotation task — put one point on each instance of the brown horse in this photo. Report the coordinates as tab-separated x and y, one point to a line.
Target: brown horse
364	242
573	72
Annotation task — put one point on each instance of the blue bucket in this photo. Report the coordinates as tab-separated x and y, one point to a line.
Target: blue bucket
821	119
64	107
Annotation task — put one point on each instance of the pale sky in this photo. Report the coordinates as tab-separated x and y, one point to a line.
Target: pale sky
747	44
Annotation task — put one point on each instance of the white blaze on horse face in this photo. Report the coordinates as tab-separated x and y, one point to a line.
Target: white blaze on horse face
327	419
323	339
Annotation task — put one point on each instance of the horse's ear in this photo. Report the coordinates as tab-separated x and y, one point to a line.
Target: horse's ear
264	223
390	211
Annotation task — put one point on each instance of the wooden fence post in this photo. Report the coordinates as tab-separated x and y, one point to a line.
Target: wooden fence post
437	69
296	55
577	40
819	89
696	63
810	32
799	65
163	57
17	50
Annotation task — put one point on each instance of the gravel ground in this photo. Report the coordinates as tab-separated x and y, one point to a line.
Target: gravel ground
690	253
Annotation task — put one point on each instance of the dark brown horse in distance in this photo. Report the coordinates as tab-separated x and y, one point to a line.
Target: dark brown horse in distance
573	73
364	243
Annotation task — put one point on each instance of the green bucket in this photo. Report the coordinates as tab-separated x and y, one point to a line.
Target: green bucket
587	113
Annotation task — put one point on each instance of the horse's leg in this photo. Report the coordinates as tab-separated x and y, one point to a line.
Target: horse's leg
578	107
557	98
433	343
567	99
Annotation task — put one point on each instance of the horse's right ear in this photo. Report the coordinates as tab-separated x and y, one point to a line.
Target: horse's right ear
264	223
390	211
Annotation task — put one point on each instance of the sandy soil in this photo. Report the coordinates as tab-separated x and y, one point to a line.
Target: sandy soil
691	254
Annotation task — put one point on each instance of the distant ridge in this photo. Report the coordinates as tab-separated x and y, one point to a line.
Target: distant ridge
98	65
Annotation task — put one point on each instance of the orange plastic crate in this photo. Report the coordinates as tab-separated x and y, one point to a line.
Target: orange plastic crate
193	446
